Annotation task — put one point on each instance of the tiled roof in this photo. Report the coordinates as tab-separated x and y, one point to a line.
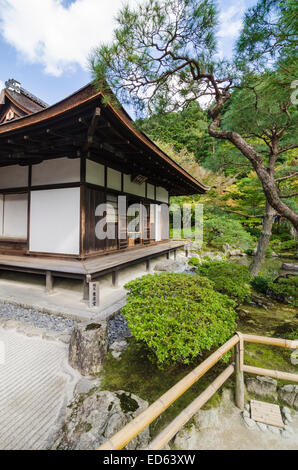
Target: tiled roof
20	99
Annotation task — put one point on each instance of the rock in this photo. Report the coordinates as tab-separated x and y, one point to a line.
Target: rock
285	411
236	252
250	423
51	335
246	414
217	258
294	357
88	347
116	355
205	419
289	394
261	426
226	247
64	338
29	330
183	259
289	267
208	254
285	434
263	386
288	429
88	423
187	439
170	266
119	346
247	407
12	324
85	385
274	429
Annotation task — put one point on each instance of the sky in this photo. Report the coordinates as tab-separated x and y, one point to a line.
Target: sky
45	44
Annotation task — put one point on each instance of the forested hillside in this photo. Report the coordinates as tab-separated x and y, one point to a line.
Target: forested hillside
235	203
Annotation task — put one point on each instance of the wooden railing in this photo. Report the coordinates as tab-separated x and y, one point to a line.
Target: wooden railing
137	425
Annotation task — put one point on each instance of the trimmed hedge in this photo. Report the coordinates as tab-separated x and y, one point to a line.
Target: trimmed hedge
178	316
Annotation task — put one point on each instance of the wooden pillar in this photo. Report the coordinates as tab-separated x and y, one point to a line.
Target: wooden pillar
85	289
148	265
239	376
175	255
168	255
115	280
49	282
186	251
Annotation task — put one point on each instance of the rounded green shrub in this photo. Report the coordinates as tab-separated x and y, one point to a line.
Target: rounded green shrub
228	278
260	284
178	316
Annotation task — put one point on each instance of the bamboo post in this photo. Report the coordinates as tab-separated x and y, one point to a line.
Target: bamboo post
239	376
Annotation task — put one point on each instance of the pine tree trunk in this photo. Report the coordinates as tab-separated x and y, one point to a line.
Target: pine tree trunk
263	240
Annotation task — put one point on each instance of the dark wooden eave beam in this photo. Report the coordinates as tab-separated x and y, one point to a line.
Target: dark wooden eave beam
92	129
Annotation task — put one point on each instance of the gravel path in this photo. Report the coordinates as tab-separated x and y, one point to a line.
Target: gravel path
35	318
117	329
36	384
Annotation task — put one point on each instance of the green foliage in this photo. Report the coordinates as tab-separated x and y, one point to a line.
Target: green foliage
219	230
285	290
193	261
282	289
178	316
182	28
269	32
184	130
231	279
260	284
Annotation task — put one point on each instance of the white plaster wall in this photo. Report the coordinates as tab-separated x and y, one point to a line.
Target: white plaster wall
162	194
14	176
95	173
15	216
55	221
56	171
165	222
157	223
150	191
134	188
114	179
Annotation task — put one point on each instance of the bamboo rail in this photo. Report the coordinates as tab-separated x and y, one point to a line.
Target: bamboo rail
166	435
132	429
138	424
276	374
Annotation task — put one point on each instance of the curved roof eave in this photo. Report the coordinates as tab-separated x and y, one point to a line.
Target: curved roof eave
82	96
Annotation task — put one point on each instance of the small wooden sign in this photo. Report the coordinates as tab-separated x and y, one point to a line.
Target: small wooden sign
266	413
93	294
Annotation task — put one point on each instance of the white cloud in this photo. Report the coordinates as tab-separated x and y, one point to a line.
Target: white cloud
230	20
58	37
